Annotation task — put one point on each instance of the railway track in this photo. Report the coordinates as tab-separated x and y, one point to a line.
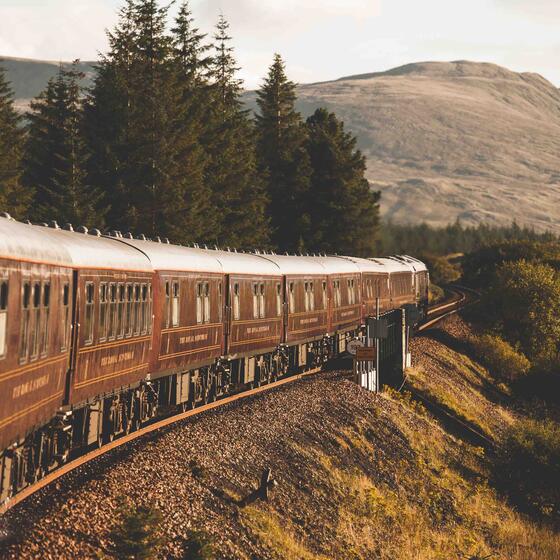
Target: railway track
435	314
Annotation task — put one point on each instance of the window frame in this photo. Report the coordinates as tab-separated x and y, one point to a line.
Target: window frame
89	312
4	315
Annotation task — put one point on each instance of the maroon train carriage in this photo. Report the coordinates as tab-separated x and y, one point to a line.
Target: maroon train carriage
344	287
254	325
35	316
421	279
401	282
188	308
306	311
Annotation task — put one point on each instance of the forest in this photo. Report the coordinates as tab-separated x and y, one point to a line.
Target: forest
162	145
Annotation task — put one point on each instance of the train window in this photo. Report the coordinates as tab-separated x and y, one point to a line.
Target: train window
262	309
121	311
166	313
311	297
150	317
324	294
136	314
65	316
236	305
145	308
129	304
36	315
3	316
220	302
206	294
102	311
25	320
199	311
337	295
291	298
175	305
256	301
44	331
88	327
351	292
112	330
278	299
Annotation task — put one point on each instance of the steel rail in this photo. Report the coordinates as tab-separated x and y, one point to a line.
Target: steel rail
94	454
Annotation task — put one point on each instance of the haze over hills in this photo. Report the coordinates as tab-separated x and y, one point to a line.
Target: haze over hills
444	140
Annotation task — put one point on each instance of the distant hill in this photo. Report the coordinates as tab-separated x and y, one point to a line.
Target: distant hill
444	140
29	77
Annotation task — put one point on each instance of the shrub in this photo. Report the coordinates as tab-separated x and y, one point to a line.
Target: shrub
523	304
436	293
500	357
528	466
136	538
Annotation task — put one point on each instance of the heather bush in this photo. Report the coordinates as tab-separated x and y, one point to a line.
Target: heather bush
502	359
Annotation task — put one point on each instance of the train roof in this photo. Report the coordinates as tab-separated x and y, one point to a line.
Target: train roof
245	263
416	264
26	242
291	265
66	248
337	265
369	265
169	257
391	265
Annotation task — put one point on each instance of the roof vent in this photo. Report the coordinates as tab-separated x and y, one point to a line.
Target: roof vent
142	237
54	224
196	245
206	247
166	240
44	224
82	229
5	215
68	227
28	222
95	232
158	239
128	235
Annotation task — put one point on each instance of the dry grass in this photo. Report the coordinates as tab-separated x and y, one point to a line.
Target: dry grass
433	502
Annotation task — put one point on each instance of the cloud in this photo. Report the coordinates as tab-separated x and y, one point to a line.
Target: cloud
262	17
54	29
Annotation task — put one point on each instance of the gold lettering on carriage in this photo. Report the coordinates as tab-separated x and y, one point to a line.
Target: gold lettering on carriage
256	330
347	313
30	386
117	359
193	338
309	321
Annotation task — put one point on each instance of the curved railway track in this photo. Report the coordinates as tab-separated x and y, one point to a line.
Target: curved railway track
435	314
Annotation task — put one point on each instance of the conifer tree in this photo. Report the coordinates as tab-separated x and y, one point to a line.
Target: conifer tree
14	198
143	127
283	159
237	189
55	155
344	211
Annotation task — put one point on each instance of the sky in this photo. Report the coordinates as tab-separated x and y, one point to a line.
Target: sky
319	39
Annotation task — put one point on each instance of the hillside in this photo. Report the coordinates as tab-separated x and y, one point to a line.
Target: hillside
359	476
444	140
457	140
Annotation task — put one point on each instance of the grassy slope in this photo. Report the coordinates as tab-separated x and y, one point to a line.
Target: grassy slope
396	485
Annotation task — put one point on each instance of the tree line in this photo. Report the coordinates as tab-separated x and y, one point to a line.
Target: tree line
162	145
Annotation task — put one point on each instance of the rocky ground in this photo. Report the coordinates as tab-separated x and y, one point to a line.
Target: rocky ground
359	476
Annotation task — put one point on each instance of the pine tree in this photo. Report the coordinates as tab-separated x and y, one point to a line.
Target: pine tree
344	211
237	189
14	198
55	156
283	159
143	126
107	124
192	63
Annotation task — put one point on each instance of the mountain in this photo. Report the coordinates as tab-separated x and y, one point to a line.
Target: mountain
444	140
453	140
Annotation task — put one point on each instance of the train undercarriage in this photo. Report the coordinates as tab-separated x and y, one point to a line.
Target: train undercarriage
74	432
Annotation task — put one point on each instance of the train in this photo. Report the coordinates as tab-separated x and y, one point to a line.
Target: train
102	333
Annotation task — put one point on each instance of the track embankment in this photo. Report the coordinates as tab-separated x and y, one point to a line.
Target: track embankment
358	476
